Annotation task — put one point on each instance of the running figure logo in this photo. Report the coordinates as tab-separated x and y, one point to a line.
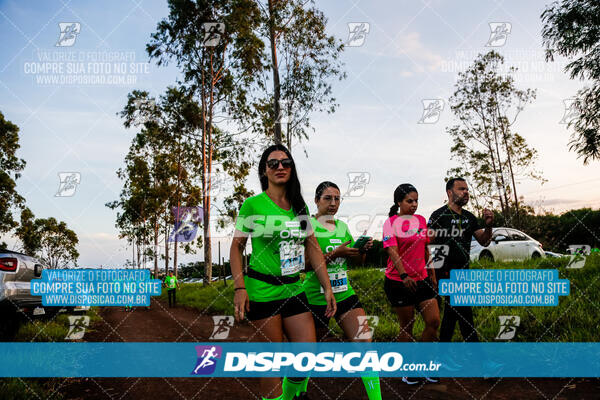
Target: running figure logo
187	220
212	33
146	109
218	182
77	325
357	183
571	111
432	109
578	255
68	183
498	34
508	326
207	359
366	326
357	33
68	33
223	323
437	255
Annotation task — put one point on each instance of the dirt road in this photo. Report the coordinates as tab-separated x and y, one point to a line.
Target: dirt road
162	324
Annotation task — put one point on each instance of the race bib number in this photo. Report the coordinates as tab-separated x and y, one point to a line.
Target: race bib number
291	255
339	282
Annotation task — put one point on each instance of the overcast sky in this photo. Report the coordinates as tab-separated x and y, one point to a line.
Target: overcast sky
411	53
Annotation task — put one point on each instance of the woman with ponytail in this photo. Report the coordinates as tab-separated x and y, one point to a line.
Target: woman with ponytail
271	294
339	248
407	281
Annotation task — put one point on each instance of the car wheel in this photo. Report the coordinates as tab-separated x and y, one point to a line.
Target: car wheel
9	326
535	255
486	255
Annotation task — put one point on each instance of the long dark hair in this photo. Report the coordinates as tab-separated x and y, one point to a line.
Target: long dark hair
293	192
321	188
399	195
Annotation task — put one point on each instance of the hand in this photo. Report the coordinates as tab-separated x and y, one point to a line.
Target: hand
488	217
368	245
241	304
433	280
331	304
410	284
344	251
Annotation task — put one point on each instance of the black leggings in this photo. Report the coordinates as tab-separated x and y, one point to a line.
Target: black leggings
171	293
464	316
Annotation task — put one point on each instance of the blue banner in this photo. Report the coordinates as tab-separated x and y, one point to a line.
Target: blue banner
229	359
95	287
504	287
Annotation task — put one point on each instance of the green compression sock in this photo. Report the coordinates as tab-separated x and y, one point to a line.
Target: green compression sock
304	387
291	387
372	387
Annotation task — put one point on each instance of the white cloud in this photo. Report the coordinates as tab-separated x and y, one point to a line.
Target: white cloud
422	58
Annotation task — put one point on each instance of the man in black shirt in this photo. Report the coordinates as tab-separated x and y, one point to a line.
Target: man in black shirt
454	227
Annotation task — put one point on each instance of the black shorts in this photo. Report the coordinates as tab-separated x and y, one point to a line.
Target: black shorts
286	307
318	311
400	296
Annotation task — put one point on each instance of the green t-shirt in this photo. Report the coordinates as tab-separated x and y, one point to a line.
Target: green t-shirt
277	246
171	282
328	241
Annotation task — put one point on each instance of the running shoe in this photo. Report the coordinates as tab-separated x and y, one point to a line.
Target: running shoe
431	380
410	381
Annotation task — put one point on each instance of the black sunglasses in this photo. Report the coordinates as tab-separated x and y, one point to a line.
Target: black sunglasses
285	163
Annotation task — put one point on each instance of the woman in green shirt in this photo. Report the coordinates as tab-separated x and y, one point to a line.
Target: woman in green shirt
271	294
337	244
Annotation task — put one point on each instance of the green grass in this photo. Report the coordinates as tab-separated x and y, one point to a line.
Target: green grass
575	319
214	299
29	388
47	329
41	329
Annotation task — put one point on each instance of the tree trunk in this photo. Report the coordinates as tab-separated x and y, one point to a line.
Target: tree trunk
167	245
501	172
178	205
275	68
493	159
156	248
512	175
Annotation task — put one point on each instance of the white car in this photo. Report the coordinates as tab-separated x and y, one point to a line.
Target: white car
507	245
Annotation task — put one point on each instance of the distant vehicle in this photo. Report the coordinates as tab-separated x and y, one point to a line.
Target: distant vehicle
16	272
507	245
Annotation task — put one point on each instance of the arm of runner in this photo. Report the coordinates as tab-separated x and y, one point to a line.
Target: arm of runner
397	260
241	301
363	255
315	256
430	270
343	251
484	236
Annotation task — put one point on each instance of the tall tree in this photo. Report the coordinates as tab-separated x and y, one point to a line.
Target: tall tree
48	239
215	45
302	61
159	169
11	167
489	152
572	29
